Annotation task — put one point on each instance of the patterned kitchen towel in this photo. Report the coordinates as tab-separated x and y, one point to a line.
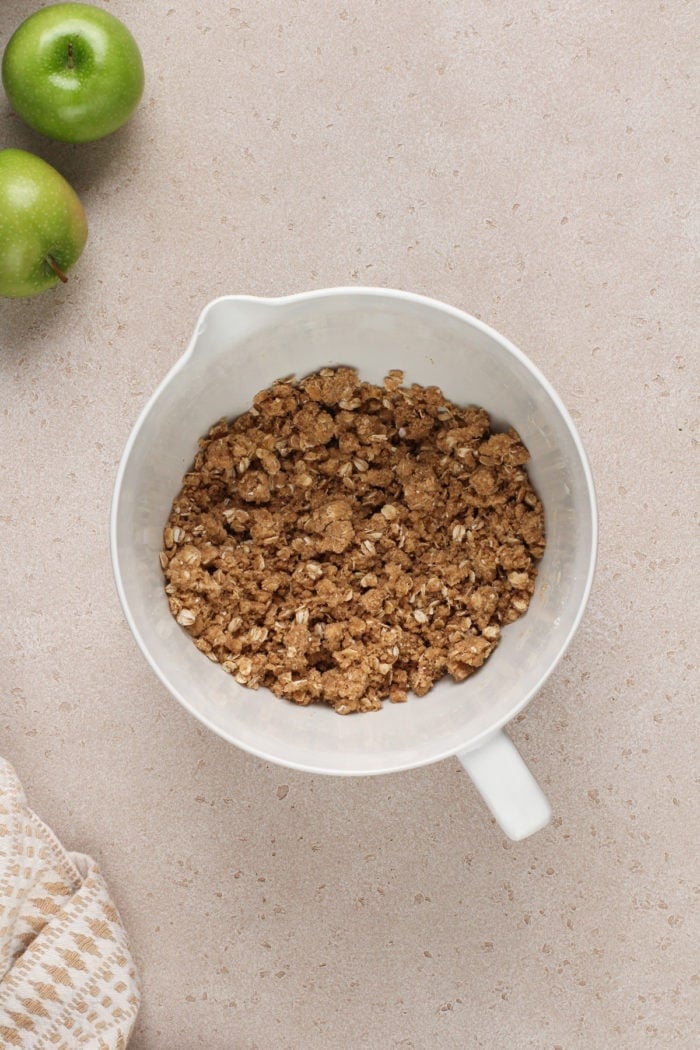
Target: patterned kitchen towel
67	979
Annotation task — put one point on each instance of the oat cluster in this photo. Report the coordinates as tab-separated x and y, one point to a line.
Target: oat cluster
345	542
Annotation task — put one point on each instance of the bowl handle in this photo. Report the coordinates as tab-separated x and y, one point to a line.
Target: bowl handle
507	786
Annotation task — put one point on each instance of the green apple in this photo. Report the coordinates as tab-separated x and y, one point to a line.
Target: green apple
73	72
42	224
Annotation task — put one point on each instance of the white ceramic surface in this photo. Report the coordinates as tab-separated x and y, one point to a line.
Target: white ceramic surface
240	346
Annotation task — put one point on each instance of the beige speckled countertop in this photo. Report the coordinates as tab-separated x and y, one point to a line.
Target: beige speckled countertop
532	164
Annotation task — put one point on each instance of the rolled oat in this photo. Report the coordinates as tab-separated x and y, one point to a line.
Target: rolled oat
346	542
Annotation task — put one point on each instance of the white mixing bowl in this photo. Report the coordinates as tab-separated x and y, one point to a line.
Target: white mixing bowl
240	346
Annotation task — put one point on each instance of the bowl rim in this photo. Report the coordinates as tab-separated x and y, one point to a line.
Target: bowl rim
375	292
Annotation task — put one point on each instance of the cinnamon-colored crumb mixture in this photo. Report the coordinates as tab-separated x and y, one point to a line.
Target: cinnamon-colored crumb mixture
344	542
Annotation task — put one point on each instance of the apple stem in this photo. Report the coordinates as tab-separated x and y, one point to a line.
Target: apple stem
56	268
71	56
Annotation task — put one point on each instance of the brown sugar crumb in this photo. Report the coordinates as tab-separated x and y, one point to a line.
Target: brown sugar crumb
346	543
